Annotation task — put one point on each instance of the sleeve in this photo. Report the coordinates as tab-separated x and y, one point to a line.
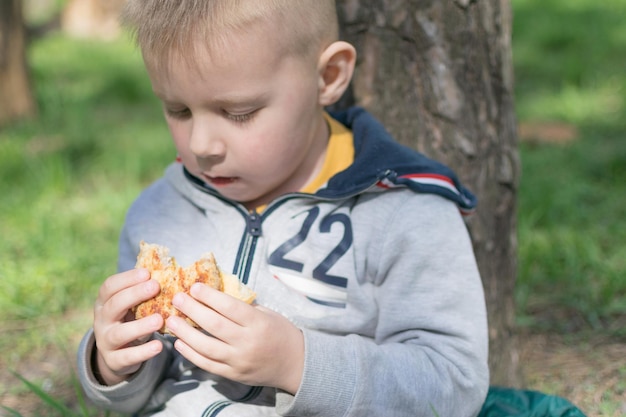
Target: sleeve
428	356
126	397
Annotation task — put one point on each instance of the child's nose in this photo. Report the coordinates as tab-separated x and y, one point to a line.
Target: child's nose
205	141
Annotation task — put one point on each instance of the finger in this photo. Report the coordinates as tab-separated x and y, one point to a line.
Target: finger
121	281
211	321
126	334
199	342
232	366
116	308
210	363
228	306
140	331
127	360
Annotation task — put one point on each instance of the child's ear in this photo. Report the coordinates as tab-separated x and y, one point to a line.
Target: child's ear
336	66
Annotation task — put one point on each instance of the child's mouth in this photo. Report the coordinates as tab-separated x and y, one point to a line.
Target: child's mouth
220	181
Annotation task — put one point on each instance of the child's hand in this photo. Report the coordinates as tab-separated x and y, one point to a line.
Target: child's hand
248	344
121	340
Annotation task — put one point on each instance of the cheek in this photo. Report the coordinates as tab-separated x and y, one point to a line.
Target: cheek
277	155
256	155
278	143
180	138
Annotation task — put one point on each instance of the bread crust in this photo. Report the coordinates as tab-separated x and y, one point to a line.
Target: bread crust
174	279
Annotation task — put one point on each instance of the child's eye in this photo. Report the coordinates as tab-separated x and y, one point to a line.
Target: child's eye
240	118
178	113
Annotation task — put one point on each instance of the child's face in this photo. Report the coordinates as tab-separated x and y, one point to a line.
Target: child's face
249	122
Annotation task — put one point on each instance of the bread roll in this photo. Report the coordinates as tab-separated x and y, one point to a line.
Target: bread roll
174	279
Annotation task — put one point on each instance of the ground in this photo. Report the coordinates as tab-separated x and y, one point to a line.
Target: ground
589	371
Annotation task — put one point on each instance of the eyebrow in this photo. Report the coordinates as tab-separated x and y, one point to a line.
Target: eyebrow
238	100
226	101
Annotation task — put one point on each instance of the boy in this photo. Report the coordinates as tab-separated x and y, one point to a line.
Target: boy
369	302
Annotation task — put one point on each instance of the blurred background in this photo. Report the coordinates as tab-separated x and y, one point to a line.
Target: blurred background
96	137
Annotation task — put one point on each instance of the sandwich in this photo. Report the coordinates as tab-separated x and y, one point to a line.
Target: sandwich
174	279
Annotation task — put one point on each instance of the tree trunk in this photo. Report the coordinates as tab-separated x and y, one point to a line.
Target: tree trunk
439	75
16	98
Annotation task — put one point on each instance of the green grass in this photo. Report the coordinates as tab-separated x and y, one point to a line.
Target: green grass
572	202
68	176
54	404
569	60
66	180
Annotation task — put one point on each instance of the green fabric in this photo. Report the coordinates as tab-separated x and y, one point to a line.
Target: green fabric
508	402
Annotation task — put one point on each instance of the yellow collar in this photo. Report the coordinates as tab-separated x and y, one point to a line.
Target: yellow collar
339	156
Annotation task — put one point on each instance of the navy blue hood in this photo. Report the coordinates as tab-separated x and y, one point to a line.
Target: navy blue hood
380	160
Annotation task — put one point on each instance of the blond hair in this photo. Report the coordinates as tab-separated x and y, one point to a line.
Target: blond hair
169	29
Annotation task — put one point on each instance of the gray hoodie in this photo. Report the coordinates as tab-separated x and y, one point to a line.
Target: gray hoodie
376	268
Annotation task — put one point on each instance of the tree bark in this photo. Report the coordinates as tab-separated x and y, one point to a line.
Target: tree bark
438	74
16	99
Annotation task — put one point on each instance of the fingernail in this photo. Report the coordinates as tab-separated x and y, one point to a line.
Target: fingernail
150	286
178	299
156	347
143	273
195	289
155	320
171	323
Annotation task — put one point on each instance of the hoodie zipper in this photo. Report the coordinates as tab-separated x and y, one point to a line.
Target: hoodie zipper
254	230
245	254
254	220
